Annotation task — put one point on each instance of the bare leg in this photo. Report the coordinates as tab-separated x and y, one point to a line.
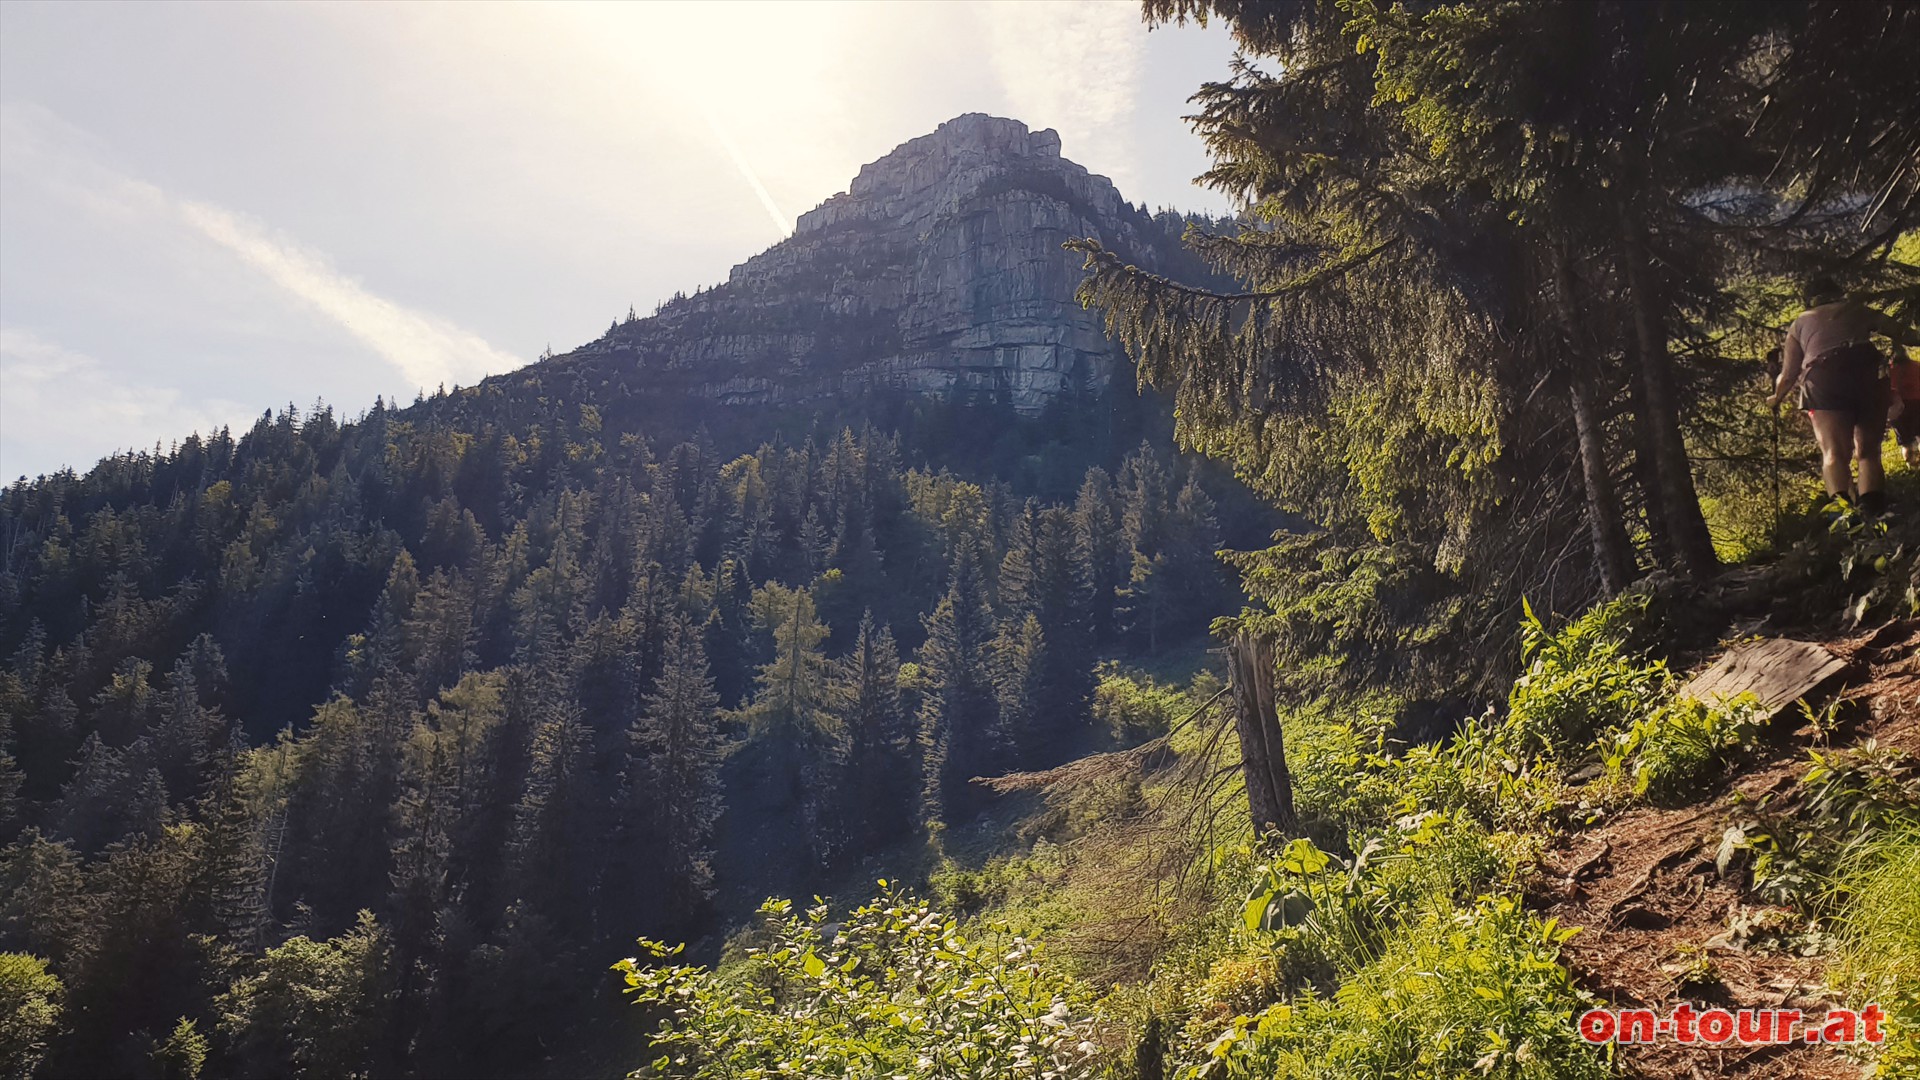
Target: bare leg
1867	456
1868	434
1867	438
1834	432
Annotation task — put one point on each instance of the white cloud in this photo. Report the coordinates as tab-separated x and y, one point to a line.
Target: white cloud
427	350
52	398
1073	65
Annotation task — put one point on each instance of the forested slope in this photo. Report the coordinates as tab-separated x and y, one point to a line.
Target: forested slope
498	683
362	748
1508	281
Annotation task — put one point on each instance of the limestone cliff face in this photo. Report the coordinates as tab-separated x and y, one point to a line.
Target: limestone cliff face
939	271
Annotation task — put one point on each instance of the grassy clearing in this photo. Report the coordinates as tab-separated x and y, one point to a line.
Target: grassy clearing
1879	955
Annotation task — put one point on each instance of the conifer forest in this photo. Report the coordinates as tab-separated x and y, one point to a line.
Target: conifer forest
1005	632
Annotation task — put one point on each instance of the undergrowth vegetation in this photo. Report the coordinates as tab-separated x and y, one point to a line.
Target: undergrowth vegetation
1580	681
1879	956
895	989
1388	939
1669	752
1844	806
1460	992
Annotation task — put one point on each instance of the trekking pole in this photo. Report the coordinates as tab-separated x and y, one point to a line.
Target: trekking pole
1778	510
1775	357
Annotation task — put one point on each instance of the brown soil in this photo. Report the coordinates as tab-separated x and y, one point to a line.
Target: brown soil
1644	887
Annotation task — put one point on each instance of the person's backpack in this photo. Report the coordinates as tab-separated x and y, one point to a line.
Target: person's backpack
1906	378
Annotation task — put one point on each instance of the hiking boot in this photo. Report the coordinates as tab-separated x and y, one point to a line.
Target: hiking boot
1839	513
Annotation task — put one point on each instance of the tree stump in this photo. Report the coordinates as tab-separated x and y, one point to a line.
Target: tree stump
1263	754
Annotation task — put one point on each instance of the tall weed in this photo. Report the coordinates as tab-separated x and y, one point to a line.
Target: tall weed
1580	680
1468	993
1671	751
1878	960
1847	800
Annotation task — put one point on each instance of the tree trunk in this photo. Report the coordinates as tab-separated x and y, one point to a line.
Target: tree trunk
1612	549
1263	755
1646	473
1679	504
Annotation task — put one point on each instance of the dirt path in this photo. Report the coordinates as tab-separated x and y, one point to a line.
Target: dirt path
1656	910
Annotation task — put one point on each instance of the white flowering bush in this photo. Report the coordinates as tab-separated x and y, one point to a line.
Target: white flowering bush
895	990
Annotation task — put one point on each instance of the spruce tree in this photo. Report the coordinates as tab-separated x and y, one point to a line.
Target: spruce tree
790	719
552	861
1194	571
187	734
11	778
446	779
1063	604
334	825
1019	581
242	817
383	651
674	768
440	628
877	785
728	632
1098	550
959	729
1020	658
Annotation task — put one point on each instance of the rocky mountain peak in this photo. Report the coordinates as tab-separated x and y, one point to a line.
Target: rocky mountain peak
938	271
974	140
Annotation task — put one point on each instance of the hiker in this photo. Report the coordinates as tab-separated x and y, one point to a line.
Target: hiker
1829	354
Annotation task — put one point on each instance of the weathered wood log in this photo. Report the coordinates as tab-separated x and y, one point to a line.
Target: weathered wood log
1263	754
1778	671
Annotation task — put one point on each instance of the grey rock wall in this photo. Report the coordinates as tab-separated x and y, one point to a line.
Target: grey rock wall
939	271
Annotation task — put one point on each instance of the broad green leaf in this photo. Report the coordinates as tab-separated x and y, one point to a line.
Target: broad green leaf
1255	914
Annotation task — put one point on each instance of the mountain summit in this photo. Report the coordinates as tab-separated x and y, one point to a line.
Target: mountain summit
939	271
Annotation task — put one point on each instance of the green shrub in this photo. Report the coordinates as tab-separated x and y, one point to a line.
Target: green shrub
1333	749
1325	917
1472	774
1580	680
1460	994
1315	912
1847	800
1435	860
1135	709
182	1054
30	1002
312	1008
958	889
1878	960
1672	750
895	989
1478	772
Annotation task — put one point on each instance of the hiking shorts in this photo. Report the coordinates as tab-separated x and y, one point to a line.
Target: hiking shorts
1847	379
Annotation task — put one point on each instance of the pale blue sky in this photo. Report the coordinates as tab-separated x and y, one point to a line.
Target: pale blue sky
207	210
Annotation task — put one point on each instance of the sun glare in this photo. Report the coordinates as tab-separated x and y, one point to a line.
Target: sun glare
764	81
